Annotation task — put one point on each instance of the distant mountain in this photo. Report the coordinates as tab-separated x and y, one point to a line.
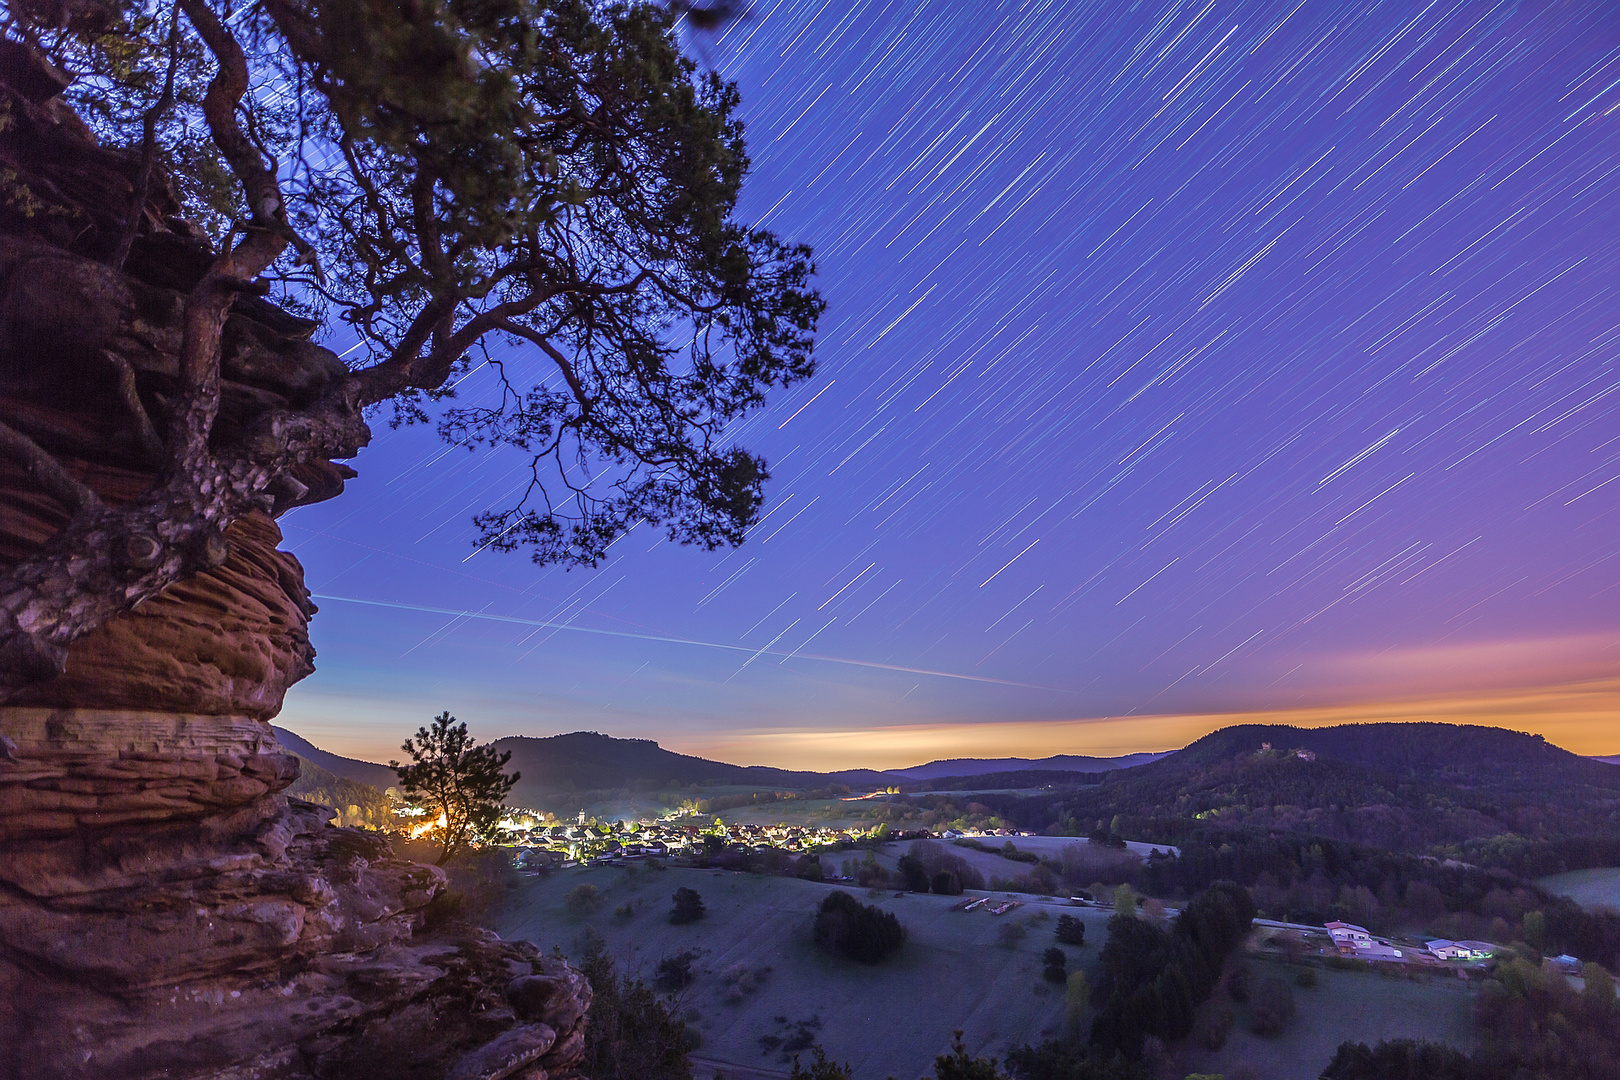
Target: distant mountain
952	767
1419	749
1615	760
364	772
586	760
1406	787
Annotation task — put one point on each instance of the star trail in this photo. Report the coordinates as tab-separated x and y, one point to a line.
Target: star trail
1180	358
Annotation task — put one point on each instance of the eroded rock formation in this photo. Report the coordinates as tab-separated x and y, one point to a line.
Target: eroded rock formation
164	909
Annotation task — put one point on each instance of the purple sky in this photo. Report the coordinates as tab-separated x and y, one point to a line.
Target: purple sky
1179	358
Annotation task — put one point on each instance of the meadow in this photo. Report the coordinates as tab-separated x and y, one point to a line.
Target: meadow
762	987
1343	1006
1595	888
1094	862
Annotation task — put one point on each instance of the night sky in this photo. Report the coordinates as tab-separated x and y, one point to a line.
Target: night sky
1181	360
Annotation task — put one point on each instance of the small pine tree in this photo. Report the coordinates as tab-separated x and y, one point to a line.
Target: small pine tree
958	1065
820	1068
1074	999
688	906
459	783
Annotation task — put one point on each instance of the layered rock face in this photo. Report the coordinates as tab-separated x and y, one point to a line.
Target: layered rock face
165	911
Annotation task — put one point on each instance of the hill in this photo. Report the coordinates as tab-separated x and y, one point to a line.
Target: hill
1405	787
960	767
353	801
364	772
587	760
1402	749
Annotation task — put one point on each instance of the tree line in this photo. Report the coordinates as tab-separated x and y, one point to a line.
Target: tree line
1153	978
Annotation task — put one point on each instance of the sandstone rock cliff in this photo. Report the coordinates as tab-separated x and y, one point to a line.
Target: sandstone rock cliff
164	909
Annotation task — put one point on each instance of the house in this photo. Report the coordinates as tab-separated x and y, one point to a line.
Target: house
1569	965
1460	950
1348	935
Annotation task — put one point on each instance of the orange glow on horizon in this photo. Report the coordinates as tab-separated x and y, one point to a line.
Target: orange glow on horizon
1582	717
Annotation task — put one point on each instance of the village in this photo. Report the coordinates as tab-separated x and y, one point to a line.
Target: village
682	834
685	834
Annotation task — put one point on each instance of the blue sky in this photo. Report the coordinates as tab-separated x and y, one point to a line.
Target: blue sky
1180	359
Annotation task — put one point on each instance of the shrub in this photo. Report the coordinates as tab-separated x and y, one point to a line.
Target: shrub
1272	1008
444	909
859	931
1070	930
1009	850
688	906
632	1035
624	912
1074	999
1056	965
674	973
583	898
1011	933
913	873
1070	1059
1214	1028
1238	981
1305	978
958	1065
820	1068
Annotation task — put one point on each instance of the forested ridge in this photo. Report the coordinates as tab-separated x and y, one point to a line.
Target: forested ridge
1420	788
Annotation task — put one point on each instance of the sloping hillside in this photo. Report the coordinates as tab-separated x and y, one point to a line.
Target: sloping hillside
365	772
1407	787
955	767
1417	748
353	802
586	760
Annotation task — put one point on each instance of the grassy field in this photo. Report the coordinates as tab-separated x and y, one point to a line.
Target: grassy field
886	1020
993	865
1343	1006
1589	888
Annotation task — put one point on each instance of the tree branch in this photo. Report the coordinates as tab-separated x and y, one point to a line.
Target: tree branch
146	436
143	183
46	471
568	372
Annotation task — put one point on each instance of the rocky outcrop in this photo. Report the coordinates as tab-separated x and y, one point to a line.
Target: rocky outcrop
165	910
227	642
292	950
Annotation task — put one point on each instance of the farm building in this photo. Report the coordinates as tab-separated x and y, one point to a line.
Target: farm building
1461	950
